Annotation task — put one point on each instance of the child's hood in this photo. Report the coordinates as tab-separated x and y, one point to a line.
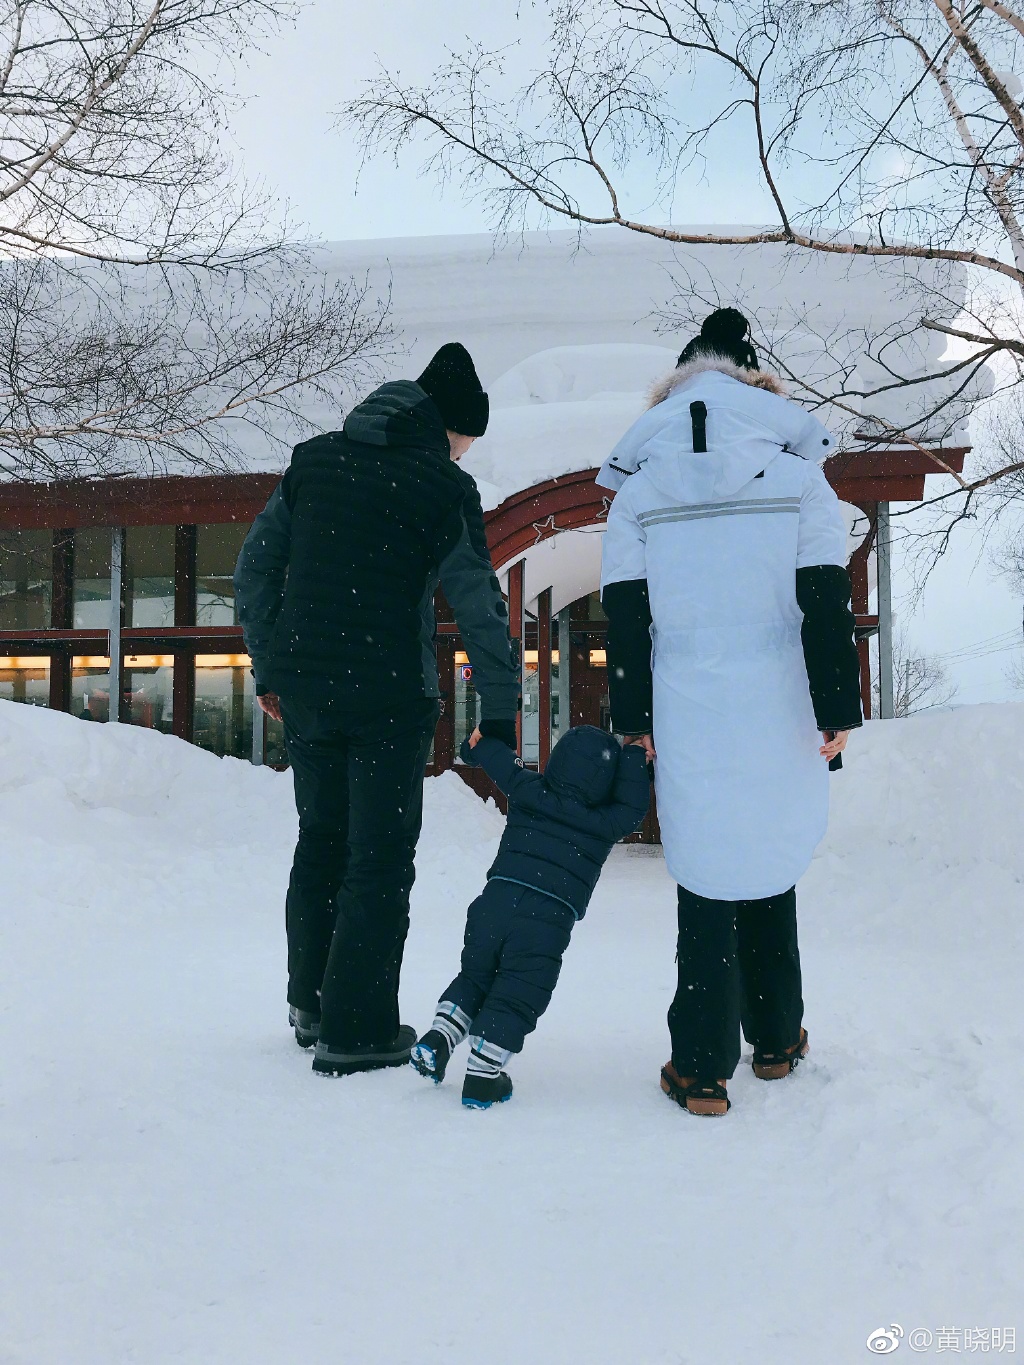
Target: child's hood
583	764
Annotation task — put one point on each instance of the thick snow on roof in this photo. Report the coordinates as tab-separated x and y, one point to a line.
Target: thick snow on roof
566	333
560	411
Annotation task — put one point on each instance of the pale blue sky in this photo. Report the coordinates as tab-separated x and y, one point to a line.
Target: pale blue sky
285	134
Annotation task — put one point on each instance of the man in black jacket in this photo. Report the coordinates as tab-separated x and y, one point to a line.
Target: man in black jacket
335	587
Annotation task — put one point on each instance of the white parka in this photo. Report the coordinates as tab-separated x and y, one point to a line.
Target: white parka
718	536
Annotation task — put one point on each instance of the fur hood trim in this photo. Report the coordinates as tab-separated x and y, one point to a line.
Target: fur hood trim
757	379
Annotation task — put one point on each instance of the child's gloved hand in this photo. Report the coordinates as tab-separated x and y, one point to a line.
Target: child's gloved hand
505	730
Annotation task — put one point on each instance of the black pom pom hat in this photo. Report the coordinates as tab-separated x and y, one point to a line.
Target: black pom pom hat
723	333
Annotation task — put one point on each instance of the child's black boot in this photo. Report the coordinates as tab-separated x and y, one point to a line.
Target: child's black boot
480	1092
486	1083
431	1055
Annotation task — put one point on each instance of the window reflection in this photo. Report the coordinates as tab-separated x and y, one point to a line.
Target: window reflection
92	578
467	701
25	678
217	549
149	576
26	562
90	687
149	691
222	720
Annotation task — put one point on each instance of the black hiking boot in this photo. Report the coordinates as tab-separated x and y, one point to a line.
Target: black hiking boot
306	1025
336	1061
709	1099
480	1092
431	1055
775	1066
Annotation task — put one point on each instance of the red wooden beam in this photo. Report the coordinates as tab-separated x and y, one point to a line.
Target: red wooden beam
62	616
894	463
183	684
206	639
177	500
183	500
904	489
43	636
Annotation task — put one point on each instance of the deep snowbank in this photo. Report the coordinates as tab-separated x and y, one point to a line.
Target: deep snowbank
177	1186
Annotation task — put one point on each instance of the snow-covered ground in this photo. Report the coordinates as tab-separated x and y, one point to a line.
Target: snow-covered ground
175	1186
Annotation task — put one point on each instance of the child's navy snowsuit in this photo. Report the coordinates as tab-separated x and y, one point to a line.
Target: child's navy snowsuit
561	828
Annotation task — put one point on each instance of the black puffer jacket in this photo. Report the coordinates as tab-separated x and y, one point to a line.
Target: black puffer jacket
562	825
336	580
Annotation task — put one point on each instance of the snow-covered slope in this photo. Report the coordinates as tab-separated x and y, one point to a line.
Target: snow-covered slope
176	1186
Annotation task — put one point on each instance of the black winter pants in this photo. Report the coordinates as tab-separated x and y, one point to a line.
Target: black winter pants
512	954
739	964
359	793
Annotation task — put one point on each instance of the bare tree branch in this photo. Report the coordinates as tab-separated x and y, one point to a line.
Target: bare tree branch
155	308
906	117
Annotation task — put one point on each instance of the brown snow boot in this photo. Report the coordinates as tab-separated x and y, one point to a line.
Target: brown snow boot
706	1098
774	1066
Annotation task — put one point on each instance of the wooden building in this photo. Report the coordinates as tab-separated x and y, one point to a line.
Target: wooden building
116	596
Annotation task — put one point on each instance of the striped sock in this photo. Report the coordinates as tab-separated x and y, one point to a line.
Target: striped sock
486	1059
451	1022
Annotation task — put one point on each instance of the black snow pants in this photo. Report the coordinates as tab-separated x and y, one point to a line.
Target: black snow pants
738	964
515	939
359	794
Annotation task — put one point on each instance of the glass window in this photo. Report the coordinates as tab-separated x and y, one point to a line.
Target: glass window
149	576
149	691
223	711
26	568
531	711
217	549
92	577
25	678
90	687
275	753
556	693
467	701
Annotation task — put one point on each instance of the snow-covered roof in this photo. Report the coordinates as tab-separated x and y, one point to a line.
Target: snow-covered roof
568	334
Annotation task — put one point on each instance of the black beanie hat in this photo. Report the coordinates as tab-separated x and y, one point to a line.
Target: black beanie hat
452	382
723	333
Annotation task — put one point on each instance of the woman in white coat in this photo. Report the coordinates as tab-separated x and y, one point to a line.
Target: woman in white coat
730	645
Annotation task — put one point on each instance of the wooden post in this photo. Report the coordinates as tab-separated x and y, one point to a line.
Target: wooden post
544	678
564	672
858	568
116	619
883	556
184	682
62	616
444	735
516	625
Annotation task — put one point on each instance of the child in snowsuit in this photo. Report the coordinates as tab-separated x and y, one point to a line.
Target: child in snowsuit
561	828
